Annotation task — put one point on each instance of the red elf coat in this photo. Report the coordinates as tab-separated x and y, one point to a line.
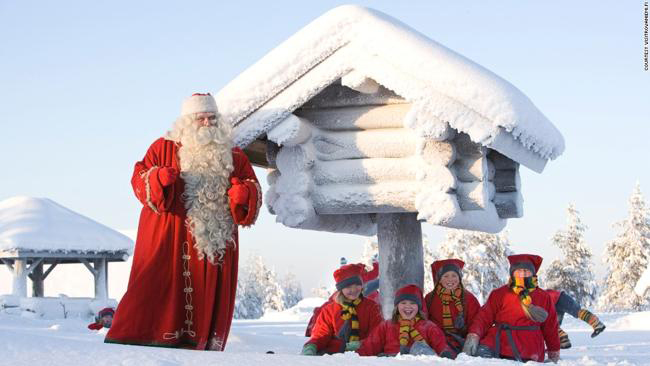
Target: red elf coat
173	298
504	307
329	322
471	307
385	338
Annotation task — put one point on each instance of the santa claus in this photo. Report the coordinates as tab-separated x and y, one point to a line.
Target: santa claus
195	189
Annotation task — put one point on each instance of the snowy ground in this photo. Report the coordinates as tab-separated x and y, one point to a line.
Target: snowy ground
25	341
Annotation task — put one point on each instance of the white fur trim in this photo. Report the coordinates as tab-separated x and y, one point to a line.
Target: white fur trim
145	176
198	104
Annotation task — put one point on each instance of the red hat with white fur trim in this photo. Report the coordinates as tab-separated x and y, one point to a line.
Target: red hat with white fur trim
199	103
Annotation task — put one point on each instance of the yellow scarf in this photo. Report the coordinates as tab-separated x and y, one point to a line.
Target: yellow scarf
523	286
350	313
407	331
447	297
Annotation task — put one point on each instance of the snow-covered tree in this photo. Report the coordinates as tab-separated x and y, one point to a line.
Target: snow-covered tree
322	291
273	298
292	290
429	258
627	258
572	273
258	290
485	257
246	307
370	250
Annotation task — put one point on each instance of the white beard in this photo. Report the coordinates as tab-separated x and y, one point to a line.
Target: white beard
206	163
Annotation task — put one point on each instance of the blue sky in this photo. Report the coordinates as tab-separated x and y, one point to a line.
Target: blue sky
85	87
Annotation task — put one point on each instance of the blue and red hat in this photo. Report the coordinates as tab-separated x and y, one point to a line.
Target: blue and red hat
409	292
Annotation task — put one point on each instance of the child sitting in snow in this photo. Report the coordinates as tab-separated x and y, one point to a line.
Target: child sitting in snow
518	319
370	291
408	332
450	305
567	304
343	323
104	319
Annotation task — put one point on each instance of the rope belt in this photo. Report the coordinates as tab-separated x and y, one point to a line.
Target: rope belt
508	329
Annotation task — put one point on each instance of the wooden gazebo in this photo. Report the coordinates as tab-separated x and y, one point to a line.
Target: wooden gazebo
38	232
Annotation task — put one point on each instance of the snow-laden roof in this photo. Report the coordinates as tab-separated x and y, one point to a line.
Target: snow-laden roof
442	84
42	225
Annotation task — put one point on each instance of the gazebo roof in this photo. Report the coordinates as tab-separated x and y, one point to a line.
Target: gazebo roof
42	226
356	42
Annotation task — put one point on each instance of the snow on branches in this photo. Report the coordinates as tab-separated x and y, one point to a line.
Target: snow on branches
627	257
259	291
573	273
485	257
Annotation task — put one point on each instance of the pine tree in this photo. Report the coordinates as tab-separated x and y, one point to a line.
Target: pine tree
258	290
273	298
429	258
485	257
370	250
627	257
292	290
573	273
248	302
322	291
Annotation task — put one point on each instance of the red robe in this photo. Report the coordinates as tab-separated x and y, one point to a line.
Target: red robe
470	309
174	299
503	306
329	322
385	338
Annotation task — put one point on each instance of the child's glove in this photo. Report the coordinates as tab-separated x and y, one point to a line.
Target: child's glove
238	193
352	346
309	349
471	344
421	348
554	356
167	176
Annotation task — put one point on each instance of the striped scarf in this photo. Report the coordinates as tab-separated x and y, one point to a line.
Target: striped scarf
349	312
523	286
447	297
407	331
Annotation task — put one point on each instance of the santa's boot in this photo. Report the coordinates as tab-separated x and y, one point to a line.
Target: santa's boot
589	318
564	339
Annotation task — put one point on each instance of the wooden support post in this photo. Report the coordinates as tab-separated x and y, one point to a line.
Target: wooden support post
38	289
399	236
101	279
20	278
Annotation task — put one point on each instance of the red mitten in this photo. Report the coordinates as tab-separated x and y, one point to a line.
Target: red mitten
167	176
238	193
95	326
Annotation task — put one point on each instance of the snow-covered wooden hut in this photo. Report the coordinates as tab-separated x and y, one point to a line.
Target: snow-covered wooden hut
35	232
369	127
